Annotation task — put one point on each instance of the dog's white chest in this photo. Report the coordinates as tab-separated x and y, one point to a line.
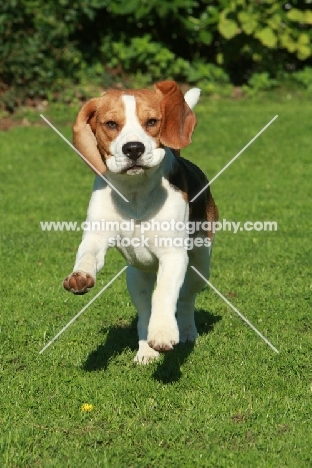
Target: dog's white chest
136	247
154	232
140	257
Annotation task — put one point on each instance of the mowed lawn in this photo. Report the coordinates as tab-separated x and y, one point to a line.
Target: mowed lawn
228	401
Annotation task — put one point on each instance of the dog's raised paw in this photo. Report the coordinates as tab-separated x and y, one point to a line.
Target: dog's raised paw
78	282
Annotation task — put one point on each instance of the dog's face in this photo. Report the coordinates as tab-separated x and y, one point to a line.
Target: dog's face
124	131
127	130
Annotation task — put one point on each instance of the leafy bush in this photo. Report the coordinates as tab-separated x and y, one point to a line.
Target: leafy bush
304	78
259	82
48	47
36	53
143	57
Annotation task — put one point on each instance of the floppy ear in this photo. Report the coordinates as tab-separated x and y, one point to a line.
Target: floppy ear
178	120
84	138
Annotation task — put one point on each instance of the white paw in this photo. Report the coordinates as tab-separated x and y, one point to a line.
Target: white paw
146	357
163	335
145	354
188	333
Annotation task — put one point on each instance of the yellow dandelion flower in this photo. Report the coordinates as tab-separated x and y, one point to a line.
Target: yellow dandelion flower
87	407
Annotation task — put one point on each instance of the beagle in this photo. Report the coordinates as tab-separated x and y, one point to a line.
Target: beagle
133	138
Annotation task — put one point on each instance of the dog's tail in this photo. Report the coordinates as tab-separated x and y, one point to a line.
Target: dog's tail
191	97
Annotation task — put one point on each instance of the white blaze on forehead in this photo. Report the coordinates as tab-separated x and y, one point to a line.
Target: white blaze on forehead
133	130
130	108
132	121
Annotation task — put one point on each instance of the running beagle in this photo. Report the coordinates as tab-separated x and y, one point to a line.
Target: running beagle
133	138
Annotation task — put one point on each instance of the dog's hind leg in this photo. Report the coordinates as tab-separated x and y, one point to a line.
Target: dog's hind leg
140	286
185	315
199	257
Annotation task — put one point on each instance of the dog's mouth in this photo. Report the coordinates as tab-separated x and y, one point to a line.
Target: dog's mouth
134	169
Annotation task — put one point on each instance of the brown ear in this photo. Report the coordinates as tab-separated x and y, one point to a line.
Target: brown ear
178	120
84	138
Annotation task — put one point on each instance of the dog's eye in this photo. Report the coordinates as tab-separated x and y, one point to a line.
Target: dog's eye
151	123
111	125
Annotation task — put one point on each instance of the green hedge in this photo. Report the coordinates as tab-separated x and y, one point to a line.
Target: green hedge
48	46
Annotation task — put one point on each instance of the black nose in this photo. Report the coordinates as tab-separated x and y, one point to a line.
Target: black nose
133	149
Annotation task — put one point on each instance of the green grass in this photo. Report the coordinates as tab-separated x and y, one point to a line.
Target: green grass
230	401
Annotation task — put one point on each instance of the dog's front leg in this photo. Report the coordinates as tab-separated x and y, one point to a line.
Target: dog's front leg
89	260
140	286
163	332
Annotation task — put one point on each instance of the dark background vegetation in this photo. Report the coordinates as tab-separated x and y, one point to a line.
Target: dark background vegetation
55	50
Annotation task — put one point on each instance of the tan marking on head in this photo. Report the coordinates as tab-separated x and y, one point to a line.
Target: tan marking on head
93	130
110	110
149	113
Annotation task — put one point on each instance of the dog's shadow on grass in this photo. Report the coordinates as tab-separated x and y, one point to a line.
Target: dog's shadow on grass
169	370
119	338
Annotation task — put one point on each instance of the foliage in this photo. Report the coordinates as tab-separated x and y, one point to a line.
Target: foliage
304	78
150	58
48	46
259	82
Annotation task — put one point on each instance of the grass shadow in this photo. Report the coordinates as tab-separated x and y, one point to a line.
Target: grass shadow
169	370
125	336
118	339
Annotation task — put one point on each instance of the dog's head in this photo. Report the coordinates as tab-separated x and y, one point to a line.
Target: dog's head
125	131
